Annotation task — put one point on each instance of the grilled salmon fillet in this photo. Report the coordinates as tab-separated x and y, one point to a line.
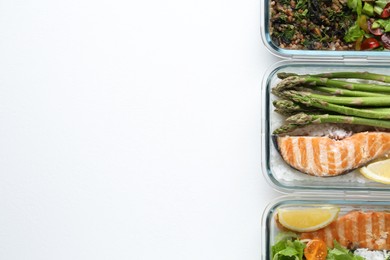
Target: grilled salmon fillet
323	156
357	229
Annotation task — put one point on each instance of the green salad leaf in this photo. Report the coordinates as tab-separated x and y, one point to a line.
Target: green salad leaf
287	247
341	253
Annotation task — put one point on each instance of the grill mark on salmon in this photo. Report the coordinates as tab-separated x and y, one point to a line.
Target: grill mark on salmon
340	232
331	160
387	224
296	151
302	143
323	156
334	231
289	146
362	232
356	229
316	159
358	153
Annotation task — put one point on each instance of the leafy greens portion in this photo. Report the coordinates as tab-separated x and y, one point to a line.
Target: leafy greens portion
289	247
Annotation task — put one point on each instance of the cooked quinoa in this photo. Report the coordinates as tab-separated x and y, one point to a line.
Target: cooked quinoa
310	24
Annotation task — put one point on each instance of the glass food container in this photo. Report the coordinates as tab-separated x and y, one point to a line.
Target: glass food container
308	24
278	173
346	204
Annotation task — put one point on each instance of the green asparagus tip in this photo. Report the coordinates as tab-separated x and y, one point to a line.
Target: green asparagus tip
288	83
285	129
283	75
300	119
282	103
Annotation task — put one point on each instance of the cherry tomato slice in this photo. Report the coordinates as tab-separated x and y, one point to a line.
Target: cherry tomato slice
316	249
369	44
386	12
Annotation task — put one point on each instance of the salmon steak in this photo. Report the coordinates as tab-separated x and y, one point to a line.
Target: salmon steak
324	156
356	229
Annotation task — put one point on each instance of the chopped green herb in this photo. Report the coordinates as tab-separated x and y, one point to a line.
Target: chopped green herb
288	34
302	4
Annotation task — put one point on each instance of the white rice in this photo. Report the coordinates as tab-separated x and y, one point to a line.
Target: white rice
372	255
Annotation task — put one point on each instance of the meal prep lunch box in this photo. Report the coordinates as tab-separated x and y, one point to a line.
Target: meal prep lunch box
344	203
275	170
317	32
350	191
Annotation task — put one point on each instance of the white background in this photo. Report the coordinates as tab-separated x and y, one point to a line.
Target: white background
131	129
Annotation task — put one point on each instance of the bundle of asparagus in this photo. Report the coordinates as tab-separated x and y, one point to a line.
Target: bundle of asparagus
333	98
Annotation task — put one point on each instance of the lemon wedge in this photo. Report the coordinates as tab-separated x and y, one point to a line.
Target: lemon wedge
378	171
307	219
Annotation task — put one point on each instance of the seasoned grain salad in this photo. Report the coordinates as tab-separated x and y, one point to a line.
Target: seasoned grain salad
330	24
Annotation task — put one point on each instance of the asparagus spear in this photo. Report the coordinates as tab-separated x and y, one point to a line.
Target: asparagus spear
344	74
289	108
287	83
286	128
287	104
301	119
356	75
309	81
380	109
345	110
283	75
348	101
348	93
304	119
